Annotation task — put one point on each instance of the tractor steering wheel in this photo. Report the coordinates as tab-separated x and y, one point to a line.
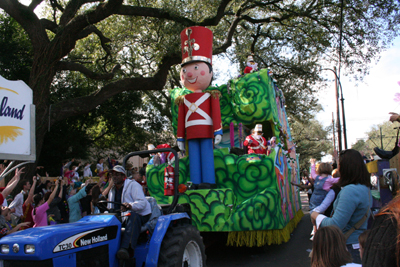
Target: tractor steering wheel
102	205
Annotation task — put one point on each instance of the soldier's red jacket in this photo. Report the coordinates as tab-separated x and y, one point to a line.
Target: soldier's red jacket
257	147
200	115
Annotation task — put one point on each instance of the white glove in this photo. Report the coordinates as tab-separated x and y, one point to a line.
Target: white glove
217	139
181	145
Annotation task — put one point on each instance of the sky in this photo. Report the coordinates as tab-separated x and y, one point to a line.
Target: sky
369	102
366	103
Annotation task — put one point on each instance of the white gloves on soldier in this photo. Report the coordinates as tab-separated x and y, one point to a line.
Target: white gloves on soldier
217	139
181	145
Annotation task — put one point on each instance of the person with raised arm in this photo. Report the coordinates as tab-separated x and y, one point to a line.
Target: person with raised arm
54	211
11	184
39	212
27	206
74	201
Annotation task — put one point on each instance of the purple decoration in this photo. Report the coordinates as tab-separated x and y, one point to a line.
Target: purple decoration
232	134
240	135
163	158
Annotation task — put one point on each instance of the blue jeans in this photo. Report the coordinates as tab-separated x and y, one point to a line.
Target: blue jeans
132	229
355	253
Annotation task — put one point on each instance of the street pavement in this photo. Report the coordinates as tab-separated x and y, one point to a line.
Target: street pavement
293	253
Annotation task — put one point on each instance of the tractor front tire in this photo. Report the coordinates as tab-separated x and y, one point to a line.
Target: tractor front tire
182	246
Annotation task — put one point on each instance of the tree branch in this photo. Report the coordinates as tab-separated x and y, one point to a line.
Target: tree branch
72	66
65	40
163	14
72	7
213	21
228	40
55	5
49	25
255	38
28	20
82	105
103	40
34	4
153	13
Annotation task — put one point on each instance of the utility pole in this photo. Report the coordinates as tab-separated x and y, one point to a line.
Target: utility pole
381	138
339	130
343	117
333	131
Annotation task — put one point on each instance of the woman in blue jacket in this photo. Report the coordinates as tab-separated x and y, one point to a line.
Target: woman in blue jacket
352	205
73	202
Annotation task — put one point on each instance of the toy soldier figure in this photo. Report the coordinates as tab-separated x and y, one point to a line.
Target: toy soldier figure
255	142
199	117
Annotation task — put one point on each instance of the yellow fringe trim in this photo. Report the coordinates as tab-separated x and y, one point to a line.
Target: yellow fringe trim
215	94
179	100
260	238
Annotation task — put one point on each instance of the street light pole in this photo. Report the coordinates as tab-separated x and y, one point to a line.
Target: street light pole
333	132
339	129
343	118
337	108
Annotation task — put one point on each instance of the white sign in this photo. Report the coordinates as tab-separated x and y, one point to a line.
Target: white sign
17	121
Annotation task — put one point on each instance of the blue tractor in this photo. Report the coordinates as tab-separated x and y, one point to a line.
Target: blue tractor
168	239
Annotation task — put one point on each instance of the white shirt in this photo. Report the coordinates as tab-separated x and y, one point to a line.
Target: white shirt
17	204
76	174
87	172
374	181
99	167
132	193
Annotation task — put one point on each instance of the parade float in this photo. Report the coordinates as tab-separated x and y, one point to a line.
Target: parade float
253	201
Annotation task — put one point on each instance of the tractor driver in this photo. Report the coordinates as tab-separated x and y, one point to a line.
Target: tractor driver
130	194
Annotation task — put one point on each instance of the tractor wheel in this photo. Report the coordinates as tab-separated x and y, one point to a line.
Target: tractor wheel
182	247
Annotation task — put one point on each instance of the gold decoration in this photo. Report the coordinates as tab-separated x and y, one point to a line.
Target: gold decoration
215	94
179	100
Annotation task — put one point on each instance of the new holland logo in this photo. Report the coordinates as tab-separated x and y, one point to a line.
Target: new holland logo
87	238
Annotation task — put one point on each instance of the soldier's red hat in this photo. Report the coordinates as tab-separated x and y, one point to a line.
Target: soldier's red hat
196	44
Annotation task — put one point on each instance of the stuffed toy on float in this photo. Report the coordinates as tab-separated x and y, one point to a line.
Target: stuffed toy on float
251	65
199	115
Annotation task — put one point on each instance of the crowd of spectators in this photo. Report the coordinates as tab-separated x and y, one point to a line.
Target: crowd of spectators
340	206
53	200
